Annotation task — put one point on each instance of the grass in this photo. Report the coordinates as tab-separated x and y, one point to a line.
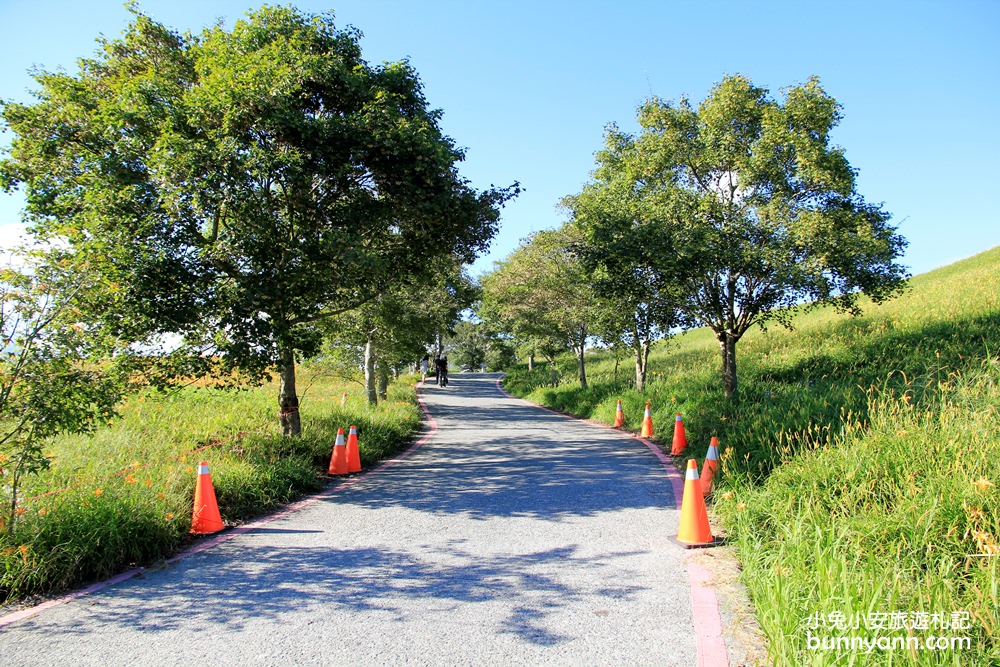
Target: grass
122	496
861	464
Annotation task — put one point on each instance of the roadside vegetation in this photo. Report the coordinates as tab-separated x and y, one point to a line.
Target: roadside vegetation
861	464
122	496
227	209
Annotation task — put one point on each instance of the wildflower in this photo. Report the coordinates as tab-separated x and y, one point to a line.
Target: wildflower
985	542
170	516
973	512
148	482
982	484
160	496
98	492
741	506
728	495
20	511
3	458
42	512
130	480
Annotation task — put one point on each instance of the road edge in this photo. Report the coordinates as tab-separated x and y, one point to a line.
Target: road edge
230	533
710	645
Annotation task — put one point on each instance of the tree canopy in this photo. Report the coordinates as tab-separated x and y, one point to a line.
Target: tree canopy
236	187
541	293
753	210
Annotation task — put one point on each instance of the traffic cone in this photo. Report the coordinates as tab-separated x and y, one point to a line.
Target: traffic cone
353	453
619	416
205	518
338	461
647	424
711	466
680	440
694	529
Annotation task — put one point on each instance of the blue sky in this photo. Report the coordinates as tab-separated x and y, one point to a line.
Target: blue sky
527	87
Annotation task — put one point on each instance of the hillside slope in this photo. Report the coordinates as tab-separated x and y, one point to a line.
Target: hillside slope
861	465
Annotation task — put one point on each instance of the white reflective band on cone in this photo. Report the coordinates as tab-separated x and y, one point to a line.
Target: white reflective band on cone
202	470
692	473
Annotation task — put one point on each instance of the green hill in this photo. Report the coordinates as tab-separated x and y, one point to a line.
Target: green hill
861	465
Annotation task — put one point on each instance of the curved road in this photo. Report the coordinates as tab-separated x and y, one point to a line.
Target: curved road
512	536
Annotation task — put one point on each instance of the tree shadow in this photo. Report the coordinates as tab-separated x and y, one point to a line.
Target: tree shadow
271	582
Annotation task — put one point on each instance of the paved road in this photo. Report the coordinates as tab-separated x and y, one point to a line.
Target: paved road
512	537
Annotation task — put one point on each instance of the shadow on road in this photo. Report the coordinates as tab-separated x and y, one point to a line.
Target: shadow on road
497	456
268	582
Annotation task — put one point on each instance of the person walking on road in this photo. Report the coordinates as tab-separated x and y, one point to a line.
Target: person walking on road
442	371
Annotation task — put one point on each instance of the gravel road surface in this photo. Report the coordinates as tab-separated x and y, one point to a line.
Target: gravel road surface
511	537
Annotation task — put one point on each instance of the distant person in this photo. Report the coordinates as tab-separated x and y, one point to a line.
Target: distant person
437	370
423	368
444	371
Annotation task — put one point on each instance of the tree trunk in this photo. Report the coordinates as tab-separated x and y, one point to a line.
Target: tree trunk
579	357
727	344
370	390
383	379
641	364
531	361
288	400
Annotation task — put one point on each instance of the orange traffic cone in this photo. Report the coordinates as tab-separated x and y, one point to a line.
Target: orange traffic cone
205	518
680	440
619	416
711	466
694	529
647	424
353	453
338	461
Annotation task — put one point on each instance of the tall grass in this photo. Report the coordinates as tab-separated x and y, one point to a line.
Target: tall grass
903	515
859	464
122	496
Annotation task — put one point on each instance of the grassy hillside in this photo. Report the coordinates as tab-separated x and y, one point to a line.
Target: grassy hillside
123	496
861	464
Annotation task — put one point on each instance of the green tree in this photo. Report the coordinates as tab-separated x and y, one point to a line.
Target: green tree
49	383
759	208
397	327
469	345
540	295
238	187
632	266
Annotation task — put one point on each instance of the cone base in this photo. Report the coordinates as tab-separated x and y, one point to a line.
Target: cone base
716	541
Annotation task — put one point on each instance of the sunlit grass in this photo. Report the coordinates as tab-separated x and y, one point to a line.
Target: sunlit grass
860	465
123	496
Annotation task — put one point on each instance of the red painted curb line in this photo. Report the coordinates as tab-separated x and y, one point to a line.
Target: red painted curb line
230	534
709	644
710	647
